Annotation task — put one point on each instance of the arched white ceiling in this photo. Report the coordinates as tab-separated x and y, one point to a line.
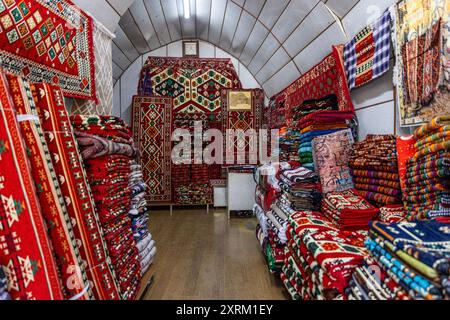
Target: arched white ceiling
271	38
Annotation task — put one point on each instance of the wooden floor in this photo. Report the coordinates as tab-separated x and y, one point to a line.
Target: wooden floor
208	257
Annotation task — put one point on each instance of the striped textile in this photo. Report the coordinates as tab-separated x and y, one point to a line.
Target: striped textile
26	255
73	274
74	187
367	55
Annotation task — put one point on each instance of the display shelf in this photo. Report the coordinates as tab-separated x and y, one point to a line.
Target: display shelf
146	283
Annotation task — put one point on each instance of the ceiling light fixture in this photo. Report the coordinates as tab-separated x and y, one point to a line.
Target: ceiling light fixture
187	8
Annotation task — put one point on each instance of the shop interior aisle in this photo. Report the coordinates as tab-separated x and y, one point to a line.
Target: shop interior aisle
206	256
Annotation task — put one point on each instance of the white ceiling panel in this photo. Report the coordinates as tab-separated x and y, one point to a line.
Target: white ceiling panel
119	5
172	16
256	39
124	43
272	11
129	26
254	6
102	11
319	48
120	58
294	14
317	21
264	53
203	11
341	7
117	71
139	12
281	79
230	22
275	63
154	10
245	26
187	25
218	8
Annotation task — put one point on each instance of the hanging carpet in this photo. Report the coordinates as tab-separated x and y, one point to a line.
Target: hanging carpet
242	120
152	129
194	84
49	41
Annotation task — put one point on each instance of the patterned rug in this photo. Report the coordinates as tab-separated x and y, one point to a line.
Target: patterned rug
414	18
49	41
326	78
103	76
75	189
194	84
30	269
242	120
152	129
73	274
331	155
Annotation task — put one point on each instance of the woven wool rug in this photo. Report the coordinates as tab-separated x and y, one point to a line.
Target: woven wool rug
242	120
75	189
26	255
152	130
49	41
194	84
326	78
54	211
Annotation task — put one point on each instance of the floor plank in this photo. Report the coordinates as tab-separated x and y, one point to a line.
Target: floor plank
208	257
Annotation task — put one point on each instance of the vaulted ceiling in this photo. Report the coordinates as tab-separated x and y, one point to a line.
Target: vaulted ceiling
264	35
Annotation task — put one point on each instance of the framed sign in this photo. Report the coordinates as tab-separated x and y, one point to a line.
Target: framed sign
240	100
190	48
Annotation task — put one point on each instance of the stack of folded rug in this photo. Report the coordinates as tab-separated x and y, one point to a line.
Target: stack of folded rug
317	124
408	260
348	210
107	149
139	217
266	194
289	145
427	190
301	189
375	169
319	258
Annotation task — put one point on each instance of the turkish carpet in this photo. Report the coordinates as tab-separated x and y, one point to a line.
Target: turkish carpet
242	122
60	229
75	189
30	269
49	41
193	84
152	130
326	78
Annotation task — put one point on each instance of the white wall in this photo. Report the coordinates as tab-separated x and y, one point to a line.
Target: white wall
126	87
